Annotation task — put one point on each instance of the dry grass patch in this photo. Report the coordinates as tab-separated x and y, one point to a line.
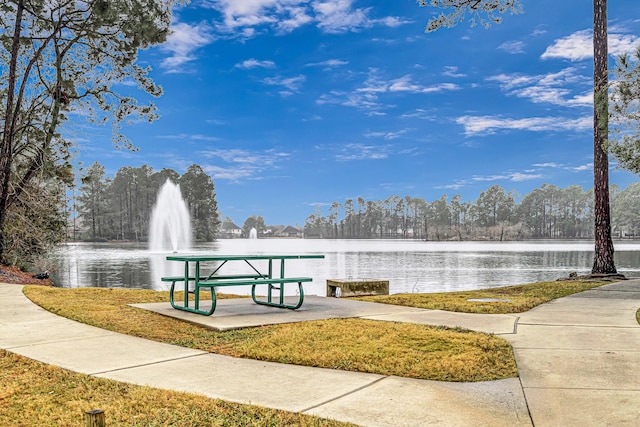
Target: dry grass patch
35	394
387	348
521	297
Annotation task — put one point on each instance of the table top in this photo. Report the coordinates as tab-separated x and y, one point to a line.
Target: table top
199	258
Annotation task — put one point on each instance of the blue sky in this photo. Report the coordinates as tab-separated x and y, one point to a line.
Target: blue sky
292	104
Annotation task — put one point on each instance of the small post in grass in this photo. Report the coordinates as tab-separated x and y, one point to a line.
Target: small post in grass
95	418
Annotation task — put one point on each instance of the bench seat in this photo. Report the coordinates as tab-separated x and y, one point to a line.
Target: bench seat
221	277
254	282
238	280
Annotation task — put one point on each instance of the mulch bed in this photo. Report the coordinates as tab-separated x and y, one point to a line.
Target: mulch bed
17	276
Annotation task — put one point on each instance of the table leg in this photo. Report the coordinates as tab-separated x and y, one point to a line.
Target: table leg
196	289
282	284
186	284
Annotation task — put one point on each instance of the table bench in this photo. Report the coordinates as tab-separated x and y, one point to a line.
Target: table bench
254	279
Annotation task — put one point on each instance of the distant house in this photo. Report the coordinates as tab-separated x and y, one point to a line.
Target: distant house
228	230
290	231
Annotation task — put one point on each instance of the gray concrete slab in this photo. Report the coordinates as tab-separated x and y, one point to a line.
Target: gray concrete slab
584	369
488	323
242	312
579	408
274	385
45	331
104	353
575	338
579	315
404	402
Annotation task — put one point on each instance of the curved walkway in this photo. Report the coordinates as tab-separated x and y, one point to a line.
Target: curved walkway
577	356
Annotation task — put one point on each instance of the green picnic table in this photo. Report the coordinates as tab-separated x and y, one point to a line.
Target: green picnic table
257	275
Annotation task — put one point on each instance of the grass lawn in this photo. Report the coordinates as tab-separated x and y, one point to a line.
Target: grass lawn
386	348
36	394
32	393
517	299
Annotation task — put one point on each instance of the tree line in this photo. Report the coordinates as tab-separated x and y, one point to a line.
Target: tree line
119	208
548	212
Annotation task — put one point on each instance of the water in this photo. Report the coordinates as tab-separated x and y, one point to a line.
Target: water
410	266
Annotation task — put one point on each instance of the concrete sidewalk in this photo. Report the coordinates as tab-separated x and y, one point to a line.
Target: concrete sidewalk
577	359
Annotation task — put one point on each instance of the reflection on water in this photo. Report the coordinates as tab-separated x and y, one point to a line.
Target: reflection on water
410	266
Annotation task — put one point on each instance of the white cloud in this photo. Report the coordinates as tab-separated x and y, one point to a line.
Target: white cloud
368	95
190	137
512	47
455	186
452	71
238	164
337	16
328	63
511	176
422	114
579	45
386	135
362	152
553	88
487	125
358	100
292	84
586	167
538	32
331	16
254	63
182	43
405	84
548	165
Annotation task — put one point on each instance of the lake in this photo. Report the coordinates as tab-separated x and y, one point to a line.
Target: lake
409	265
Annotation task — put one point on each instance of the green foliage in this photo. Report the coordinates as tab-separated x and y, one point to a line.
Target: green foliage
120	208
483	12
64	56
624	143
35	223
254	221
546	212
199	193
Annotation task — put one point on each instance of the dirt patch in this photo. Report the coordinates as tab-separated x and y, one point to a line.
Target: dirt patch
17	276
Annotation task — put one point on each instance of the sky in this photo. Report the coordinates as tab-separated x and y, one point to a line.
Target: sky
291	105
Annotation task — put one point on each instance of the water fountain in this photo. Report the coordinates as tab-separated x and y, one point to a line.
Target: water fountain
253	233
170	228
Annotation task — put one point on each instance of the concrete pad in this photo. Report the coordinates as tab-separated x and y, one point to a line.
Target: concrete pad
585	369
575	338
242	312
579	408
19	313
632	285
274	385
103	353
52	329
489	323
400	402
579	315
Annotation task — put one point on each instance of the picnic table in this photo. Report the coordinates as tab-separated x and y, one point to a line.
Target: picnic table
258	274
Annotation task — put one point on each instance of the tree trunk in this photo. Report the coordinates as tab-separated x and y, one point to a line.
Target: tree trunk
6	151
603	258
